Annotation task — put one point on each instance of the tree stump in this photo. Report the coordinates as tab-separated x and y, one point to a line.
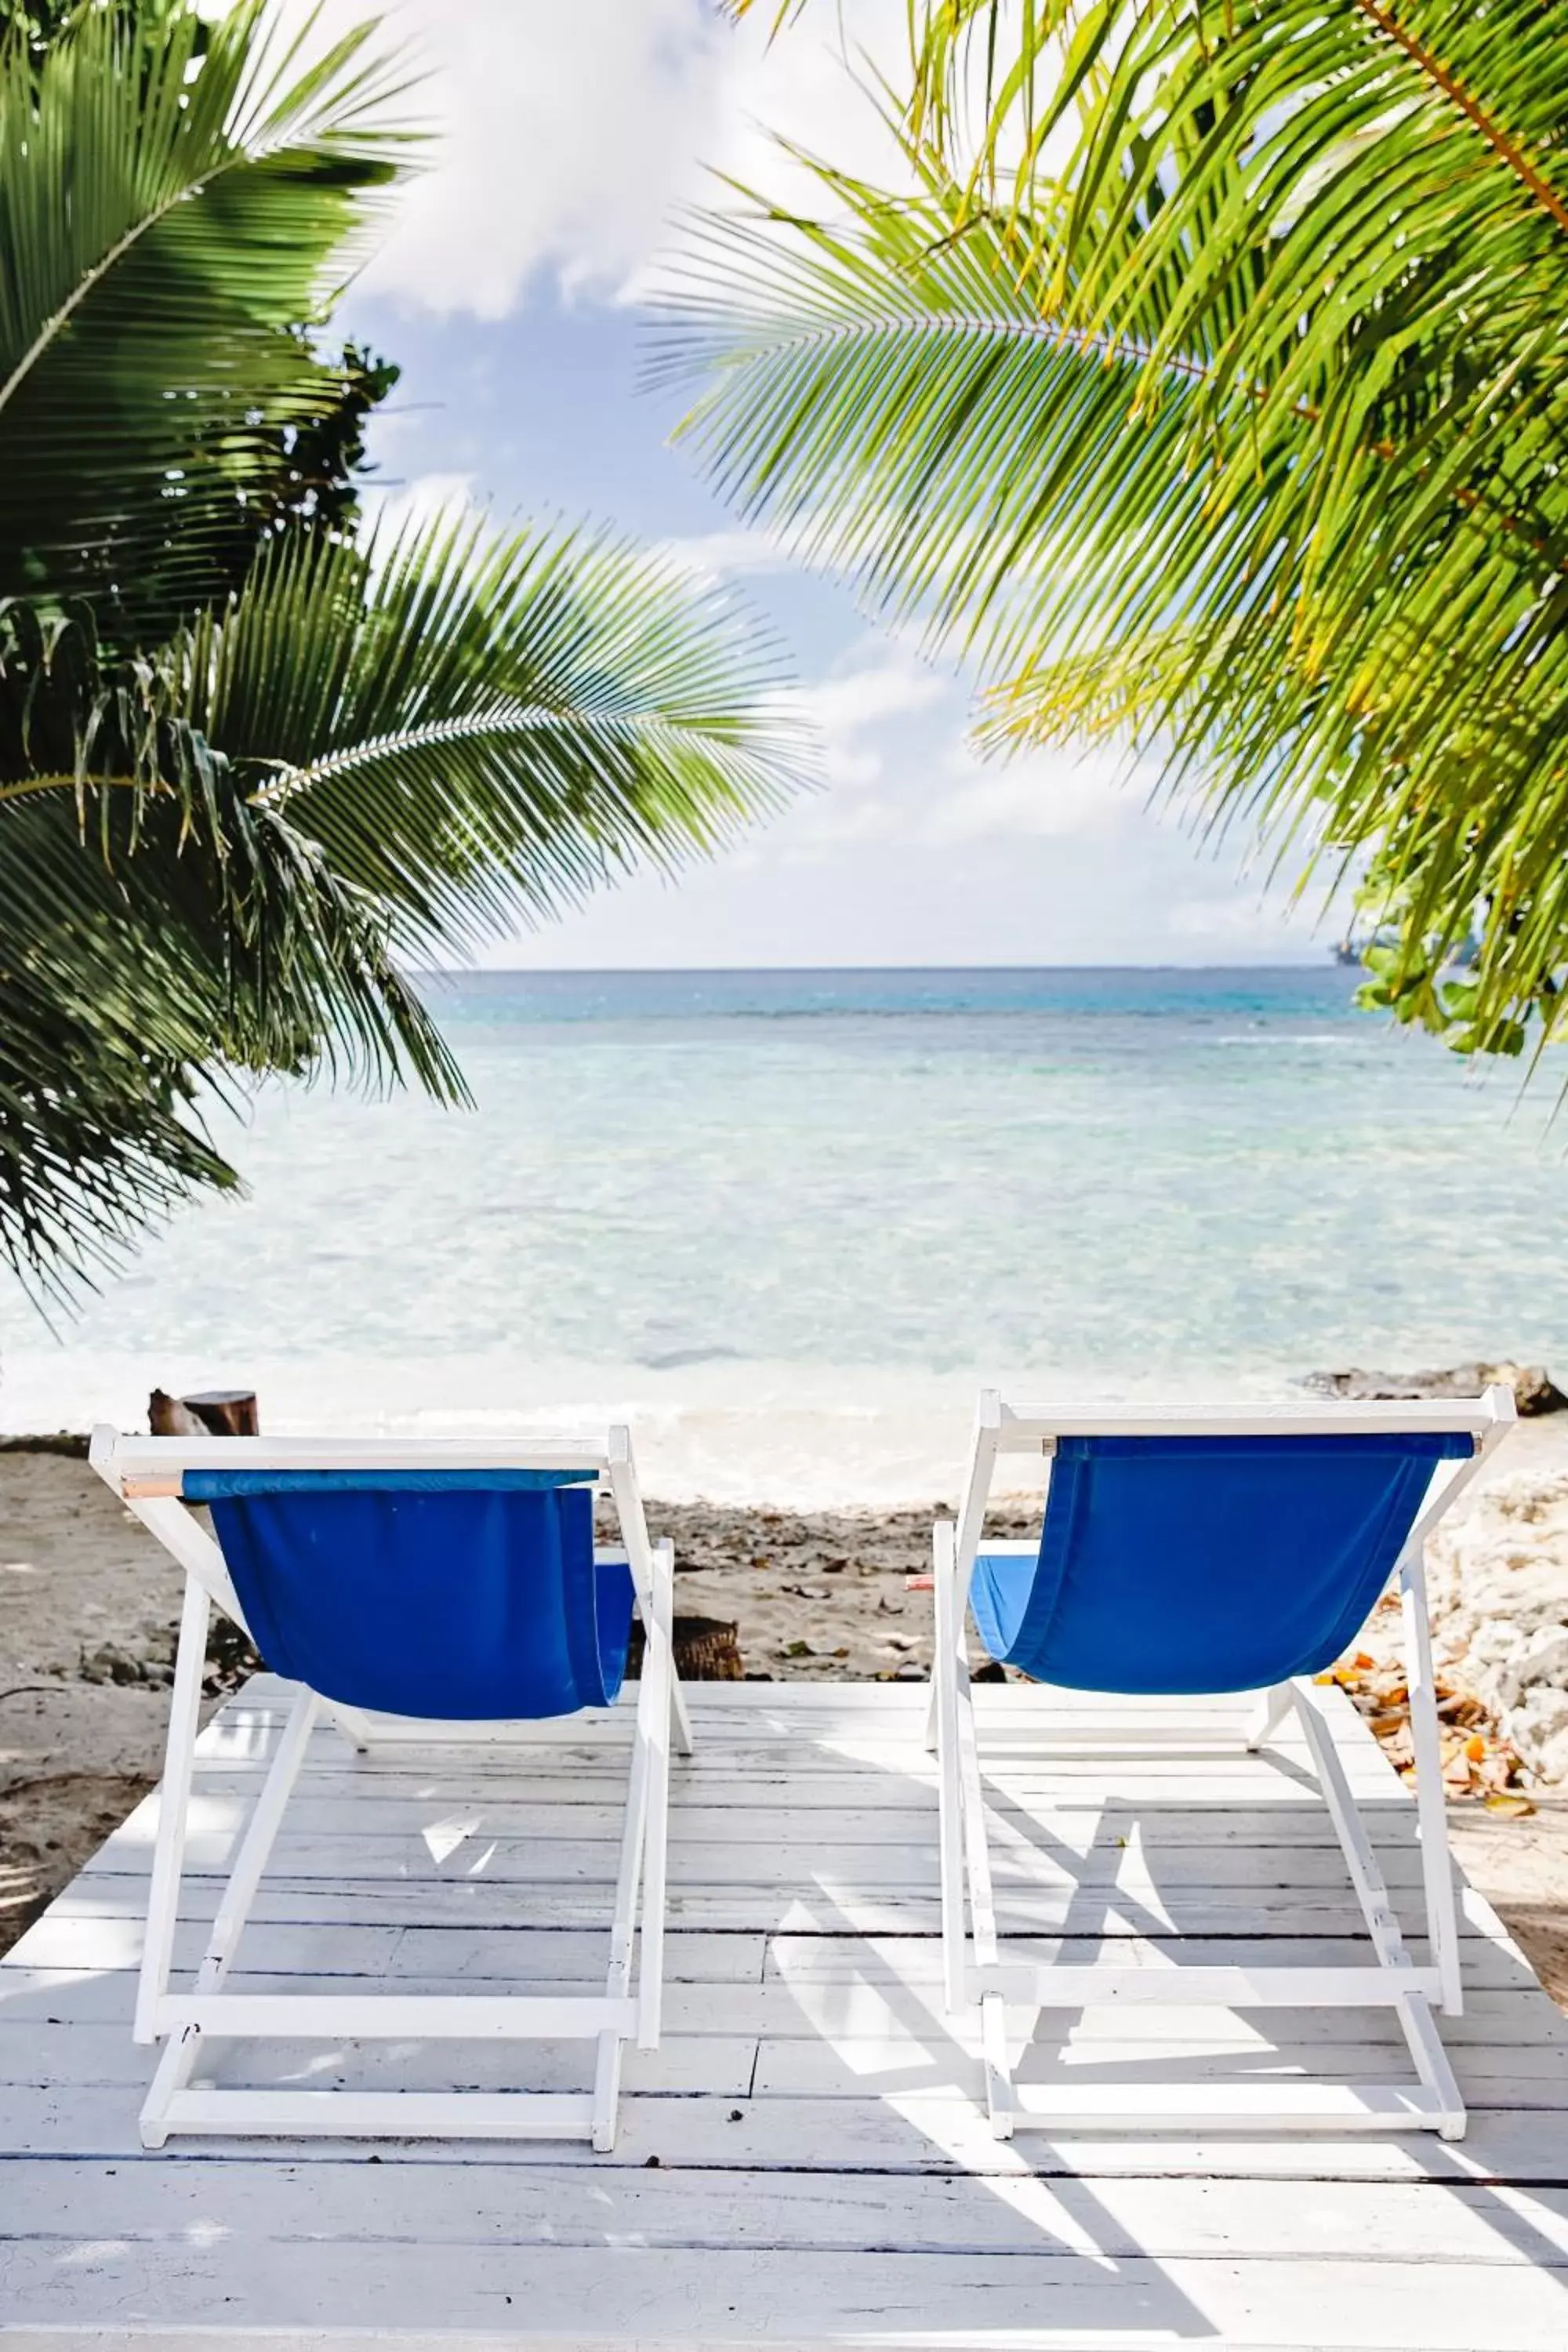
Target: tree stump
231	1658
706	1650
214	1413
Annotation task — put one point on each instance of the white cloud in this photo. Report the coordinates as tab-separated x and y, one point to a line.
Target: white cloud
567	137
820	830
1235	921
870	685
874	685
1040	795
724	554
450	497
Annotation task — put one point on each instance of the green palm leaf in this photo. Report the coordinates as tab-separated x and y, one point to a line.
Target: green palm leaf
365	755
1215	393
176	199
473	724
250	766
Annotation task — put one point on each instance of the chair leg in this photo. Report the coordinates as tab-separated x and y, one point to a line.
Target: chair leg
169	2077
1273	1707
607	2091
355	1725
654	1729
1419	2027
1437	1864
999	2101
664	1565
1366	1876
617	1980
1425	2046
260	1835
652	1713
174	1809
949	1792
1001	2104
177	2065
623	1927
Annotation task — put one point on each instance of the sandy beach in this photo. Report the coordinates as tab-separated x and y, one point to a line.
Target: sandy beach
88	1603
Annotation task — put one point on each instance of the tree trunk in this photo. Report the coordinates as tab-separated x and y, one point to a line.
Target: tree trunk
214	1413
706	1650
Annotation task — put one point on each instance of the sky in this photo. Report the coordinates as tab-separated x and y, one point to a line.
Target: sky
508	288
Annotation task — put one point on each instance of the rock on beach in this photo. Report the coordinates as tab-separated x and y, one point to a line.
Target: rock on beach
1497	1586
1534	1390
1498	1569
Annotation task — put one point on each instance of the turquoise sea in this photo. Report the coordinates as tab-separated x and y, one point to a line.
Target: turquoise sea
790	1221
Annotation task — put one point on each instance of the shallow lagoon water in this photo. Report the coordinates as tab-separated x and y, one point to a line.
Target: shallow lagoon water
790	1221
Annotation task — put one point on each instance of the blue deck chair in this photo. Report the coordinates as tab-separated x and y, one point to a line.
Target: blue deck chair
1202	1554
415	1594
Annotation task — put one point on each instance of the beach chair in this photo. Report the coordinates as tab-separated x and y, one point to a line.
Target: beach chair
1205	1553
417	1595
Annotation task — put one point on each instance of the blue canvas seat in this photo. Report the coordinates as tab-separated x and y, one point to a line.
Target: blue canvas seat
1205	1563
1183	1555
407	1595
455	1594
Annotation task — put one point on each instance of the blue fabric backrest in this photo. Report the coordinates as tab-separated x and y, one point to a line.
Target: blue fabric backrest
460	1594
1188	1564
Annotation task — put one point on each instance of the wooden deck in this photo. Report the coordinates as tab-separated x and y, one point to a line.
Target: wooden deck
805	2161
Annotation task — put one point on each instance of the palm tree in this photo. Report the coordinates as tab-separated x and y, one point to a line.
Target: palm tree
1210	391
253	758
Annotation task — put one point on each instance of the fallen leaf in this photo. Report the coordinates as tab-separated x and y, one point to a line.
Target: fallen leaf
1462	1711
1508	1802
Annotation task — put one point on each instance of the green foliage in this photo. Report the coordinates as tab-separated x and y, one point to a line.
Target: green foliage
179	199
251	758
1213	391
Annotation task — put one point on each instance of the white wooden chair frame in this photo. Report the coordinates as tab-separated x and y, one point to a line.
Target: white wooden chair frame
975	1969
146	1473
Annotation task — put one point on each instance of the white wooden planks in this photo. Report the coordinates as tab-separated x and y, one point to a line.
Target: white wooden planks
824	2175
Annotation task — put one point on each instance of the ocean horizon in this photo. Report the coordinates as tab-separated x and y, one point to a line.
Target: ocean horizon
788	1221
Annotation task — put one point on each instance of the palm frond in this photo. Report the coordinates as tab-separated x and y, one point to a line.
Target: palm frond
230	813
475	726
224	856
173	210
1219	380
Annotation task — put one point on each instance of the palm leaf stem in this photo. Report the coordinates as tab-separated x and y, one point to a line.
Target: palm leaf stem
1509	151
